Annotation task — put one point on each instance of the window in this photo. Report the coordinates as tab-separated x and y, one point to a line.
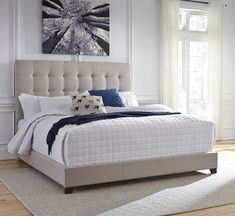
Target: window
193	62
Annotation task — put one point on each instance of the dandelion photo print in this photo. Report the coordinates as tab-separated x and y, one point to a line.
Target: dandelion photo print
75	27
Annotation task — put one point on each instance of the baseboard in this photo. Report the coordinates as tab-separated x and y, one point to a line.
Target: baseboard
4	155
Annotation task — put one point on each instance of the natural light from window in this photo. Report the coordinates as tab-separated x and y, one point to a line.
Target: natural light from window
193	63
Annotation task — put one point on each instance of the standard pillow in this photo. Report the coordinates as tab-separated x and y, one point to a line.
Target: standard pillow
129	99
86	104
110	97
159	107
60	103
20	123
30	105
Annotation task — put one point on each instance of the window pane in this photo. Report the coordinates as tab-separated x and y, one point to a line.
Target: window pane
198	48
180	48
193	23
181	81
198	78
182	19
198	23
193	63
202	23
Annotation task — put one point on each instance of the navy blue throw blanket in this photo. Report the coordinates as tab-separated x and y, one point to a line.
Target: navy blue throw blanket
83	119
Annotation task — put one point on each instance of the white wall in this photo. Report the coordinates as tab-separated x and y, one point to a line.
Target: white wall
6	75
134	39
146	49
30	33
229	70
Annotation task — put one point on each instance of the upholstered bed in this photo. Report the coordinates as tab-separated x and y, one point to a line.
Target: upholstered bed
57	78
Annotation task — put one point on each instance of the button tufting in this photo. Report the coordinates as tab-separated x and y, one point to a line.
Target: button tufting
54	80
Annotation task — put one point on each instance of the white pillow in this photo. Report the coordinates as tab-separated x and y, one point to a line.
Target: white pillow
86	104
60	103
20	123
30	105
159	107
129	99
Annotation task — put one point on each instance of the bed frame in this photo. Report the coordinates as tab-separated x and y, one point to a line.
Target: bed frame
55	78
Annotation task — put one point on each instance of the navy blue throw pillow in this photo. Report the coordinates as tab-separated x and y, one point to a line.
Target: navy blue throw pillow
110	97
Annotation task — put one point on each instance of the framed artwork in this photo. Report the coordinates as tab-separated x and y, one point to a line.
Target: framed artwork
75	27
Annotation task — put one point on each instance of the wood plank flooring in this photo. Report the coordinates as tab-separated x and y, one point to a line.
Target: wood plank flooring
10	206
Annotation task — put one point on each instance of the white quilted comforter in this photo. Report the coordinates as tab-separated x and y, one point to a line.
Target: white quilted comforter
115	140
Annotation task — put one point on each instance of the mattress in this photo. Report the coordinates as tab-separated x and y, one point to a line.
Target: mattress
125	139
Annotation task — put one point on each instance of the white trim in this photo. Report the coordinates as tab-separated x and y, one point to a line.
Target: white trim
15	26
7	104
18	27
6	110
7	100
129	8
190	5
229	99
130	40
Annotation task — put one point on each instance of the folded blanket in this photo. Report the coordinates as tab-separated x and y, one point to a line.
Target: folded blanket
84	119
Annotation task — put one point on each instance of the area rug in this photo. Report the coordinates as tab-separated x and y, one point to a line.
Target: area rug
153	196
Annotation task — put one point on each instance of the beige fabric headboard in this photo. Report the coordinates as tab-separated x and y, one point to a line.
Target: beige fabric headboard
56	78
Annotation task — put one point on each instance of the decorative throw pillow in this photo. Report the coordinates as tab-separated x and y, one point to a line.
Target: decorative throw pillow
86	104
110	97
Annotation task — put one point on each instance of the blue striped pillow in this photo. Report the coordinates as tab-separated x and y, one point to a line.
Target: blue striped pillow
110	97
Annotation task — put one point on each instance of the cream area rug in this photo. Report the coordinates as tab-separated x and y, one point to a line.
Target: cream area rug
147	197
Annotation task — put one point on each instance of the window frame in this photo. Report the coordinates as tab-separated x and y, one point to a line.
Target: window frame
186	36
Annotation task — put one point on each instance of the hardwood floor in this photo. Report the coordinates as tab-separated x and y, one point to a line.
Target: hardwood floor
10	206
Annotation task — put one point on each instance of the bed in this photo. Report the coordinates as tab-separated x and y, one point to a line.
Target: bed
185	148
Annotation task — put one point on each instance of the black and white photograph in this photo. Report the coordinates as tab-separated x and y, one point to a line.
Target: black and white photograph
75	27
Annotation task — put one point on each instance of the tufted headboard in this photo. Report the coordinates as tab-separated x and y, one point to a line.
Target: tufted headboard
56	78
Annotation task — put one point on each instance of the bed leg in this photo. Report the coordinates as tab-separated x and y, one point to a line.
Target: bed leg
68	190
213	171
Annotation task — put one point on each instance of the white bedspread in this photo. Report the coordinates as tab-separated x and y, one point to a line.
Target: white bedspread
21	143
115	140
